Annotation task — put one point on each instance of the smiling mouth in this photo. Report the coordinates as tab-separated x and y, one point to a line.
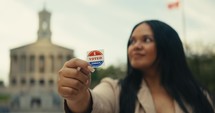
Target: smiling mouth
138	55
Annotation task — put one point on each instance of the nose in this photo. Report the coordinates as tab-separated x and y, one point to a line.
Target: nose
138	45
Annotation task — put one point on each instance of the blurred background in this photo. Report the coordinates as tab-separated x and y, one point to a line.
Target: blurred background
38	36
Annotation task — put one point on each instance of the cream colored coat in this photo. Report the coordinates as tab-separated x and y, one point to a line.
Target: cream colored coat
106	98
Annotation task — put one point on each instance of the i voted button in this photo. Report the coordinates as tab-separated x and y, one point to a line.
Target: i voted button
95	58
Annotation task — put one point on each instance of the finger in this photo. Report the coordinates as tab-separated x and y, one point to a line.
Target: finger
88	82
73	83
91	69
75	62
67	92
73	73
85	71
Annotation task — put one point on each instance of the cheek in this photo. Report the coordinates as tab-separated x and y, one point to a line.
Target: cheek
153	55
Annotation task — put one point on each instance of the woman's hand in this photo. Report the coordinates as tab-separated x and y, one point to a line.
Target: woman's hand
73	83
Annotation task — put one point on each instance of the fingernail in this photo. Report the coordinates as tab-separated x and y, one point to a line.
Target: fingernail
87	82
91	68
78	68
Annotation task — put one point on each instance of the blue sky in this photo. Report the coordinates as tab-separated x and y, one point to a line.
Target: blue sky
84	25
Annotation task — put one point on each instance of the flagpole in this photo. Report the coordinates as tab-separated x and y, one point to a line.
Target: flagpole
184	25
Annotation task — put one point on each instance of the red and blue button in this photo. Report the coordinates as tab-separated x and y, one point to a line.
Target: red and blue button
95	58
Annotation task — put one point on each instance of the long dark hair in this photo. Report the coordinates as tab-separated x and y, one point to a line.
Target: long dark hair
176	76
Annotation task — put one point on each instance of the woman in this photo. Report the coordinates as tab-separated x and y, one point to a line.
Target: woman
158	79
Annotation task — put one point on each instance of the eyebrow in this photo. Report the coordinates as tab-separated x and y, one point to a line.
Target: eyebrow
151	36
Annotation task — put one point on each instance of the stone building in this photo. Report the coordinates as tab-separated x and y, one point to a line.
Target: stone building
34	70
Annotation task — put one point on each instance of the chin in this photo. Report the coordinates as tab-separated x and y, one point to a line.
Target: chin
138	65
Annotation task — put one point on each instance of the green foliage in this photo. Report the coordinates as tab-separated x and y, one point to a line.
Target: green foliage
1	83
203	68
111	71
4	98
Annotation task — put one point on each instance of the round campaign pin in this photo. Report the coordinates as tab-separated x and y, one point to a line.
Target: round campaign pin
95	58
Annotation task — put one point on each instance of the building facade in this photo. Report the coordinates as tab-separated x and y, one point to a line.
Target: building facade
34	71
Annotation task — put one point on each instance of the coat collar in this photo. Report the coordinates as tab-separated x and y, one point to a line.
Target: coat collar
145	99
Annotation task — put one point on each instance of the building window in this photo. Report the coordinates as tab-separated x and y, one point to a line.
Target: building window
32	63
32	81
68	57
14	63
13	81
23	81
60	61
52	63
42	64
51	82
23	64
14	59
42	82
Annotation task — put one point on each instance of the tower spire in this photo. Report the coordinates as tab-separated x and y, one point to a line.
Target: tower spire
44	32
44	5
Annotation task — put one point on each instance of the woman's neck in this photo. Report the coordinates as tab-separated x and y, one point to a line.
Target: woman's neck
152	79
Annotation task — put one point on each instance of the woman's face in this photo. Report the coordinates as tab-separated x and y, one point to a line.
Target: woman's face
142	50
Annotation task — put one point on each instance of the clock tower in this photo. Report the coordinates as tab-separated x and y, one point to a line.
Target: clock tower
44	32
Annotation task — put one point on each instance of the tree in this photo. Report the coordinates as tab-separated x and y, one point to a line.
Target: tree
111	71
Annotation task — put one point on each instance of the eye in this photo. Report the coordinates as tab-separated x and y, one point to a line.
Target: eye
147	39
132	41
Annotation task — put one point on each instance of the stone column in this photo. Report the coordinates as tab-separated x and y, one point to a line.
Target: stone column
27	59
47	64
36	65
